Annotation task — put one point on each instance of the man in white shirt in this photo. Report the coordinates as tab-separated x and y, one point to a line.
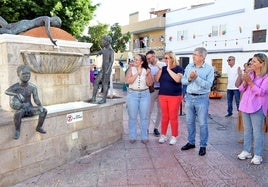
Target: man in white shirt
153	61
232	90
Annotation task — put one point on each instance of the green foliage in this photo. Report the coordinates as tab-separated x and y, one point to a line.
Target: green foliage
75	14
119	40
95	34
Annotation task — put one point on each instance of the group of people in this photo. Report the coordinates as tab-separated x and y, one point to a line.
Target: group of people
250	88
167	81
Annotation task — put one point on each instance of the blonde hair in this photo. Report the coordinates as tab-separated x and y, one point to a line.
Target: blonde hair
172	56
262	58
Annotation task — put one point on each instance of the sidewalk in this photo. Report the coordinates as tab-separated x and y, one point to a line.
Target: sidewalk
123	164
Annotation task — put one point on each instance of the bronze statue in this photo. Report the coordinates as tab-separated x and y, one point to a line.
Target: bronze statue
103	76
21	100
24	25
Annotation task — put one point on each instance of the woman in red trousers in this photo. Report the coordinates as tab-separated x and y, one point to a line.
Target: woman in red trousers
170	96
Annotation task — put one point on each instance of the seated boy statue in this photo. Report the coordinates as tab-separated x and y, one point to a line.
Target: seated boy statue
21	93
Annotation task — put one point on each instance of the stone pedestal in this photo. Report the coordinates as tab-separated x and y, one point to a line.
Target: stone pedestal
73	130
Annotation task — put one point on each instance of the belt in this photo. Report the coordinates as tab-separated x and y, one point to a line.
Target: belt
157	88
138	90
194	94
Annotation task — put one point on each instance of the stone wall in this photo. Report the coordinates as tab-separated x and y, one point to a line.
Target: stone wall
34	153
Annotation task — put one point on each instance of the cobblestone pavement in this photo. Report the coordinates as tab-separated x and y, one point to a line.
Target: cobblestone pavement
124	164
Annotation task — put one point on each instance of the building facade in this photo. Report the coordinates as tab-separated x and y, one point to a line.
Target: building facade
224	28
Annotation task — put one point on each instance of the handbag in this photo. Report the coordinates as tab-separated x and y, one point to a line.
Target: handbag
151	89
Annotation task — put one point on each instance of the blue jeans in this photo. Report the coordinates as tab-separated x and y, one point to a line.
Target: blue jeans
197	106
230	95
138	102
253	130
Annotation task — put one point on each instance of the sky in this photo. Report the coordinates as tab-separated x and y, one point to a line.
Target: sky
117	11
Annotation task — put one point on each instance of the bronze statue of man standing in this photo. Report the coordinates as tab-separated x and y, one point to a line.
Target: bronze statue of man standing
103	76
21	100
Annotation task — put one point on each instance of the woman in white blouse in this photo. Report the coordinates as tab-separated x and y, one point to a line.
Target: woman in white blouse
139	79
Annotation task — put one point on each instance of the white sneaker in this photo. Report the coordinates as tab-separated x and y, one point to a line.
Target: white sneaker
256	160
173	140
162	139
244	155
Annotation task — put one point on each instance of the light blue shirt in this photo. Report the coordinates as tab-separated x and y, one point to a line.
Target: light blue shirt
154	70
202	84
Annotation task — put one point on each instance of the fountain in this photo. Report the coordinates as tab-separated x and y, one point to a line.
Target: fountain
74	127
49	62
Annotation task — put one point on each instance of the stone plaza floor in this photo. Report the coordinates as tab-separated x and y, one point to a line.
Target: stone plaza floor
162	165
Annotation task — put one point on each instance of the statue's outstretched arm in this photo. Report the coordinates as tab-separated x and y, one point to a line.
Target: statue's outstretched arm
48	31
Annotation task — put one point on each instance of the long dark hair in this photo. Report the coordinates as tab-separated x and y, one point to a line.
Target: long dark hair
144	60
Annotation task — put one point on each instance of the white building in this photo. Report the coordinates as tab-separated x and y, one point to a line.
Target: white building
223	27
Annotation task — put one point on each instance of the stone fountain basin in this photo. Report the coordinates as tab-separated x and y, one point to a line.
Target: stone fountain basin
49	62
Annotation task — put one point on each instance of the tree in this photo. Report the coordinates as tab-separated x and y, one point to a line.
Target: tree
119	40
74	14
95	34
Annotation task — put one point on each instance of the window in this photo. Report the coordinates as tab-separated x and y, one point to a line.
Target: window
259	36
260	4
222	29
182	35
215	30
127	46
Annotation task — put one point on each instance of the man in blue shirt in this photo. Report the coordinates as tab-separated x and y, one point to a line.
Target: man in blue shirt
199	78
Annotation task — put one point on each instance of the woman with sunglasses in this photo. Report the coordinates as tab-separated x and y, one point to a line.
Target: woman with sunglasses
254	107
170	96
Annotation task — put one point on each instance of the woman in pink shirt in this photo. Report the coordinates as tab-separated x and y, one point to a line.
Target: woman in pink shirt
254	107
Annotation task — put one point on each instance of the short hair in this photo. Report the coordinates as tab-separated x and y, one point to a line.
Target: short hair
150	52
202	51
232	57
21	68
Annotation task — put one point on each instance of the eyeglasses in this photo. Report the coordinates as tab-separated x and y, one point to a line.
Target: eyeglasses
167	58
229	60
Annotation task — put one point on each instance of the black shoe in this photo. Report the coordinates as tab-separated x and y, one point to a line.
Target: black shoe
188	146
202	151
156	133
228	115
145	141
132	141
41	130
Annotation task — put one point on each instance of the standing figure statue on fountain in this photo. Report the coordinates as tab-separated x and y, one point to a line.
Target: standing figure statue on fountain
21	100
103	76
